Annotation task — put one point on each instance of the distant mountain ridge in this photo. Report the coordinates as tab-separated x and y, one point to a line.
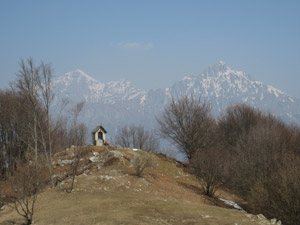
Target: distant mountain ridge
224	86
79	85
117	103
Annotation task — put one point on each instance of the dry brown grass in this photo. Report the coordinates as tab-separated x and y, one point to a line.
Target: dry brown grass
110	195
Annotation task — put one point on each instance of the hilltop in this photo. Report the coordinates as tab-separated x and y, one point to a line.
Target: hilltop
107	191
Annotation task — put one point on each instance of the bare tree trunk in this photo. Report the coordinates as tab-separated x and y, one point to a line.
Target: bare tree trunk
48	157
45	85
78	140
35	138
74	170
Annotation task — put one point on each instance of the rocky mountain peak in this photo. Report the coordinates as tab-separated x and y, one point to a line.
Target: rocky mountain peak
79	75
221	70
217	69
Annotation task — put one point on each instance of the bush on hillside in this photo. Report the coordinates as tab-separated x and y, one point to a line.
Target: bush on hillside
208	167
263	166
140	163
279	196
237	120
137	137
25	185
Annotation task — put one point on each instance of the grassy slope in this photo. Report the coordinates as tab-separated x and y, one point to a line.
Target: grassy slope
112	195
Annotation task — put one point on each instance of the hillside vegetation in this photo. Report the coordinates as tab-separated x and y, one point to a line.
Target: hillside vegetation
108	191
253	154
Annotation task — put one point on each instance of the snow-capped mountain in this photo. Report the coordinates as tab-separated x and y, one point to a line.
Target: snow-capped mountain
117	103
77	86
112	104
224	86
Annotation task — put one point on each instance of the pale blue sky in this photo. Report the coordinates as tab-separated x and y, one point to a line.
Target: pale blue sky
154	43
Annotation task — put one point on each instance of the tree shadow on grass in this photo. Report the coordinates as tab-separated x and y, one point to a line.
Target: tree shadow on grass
13	222
212	200
193	188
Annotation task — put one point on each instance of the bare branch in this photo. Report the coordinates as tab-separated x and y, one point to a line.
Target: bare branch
187	122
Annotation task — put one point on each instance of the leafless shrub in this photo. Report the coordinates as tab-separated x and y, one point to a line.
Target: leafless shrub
208	167
60	135
77	152
264	169
188	123
140	163
278	195
25	185
237	120
78	137
77	134
257	155
137	137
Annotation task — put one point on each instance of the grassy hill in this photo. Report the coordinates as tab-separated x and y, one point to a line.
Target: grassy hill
107	191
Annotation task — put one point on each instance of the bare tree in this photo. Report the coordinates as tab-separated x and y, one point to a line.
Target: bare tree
263	167
60	128
10	130
26	183
34	84
187	122
77	152
208	167
60	134
27	86
75	111
278	196
137	137
255	157
237	120
78	134
45	86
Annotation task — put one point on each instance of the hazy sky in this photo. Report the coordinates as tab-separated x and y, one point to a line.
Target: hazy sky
154	43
